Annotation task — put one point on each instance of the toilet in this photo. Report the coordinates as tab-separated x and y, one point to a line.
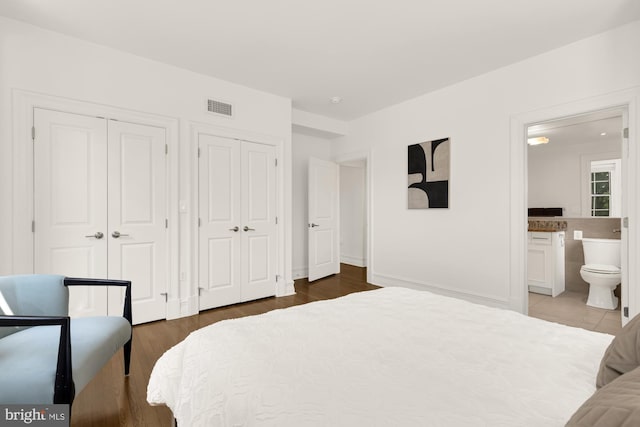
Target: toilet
601	270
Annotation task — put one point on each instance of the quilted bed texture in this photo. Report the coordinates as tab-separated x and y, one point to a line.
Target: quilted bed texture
388	357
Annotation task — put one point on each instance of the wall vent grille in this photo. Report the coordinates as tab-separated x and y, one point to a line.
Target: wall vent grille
219	107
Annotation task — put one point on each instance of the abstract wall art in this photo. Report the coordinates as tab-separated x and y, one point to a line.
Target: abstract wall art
429	174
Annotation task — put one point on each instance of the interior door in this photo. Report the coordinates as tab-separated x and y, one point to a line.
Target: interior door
137	220
258	242
70	203
323	226
219	240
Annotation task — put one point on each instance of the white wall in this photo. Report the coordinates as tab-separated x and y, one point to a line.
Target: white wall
352	215
303	147
36	60
555	173
465	250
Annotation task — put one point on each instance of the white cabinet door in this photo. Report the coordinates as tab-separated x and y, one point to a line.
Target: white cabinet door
92	178
323	227
137	228
220	222
70	203
237	215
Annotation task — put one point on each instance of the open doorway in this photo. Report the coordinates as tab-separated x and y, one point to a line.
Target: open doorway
575	185
353	212
338	215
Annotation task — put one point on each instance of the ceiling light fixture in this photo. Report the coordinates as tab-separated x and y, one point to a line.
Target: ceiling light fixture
335	100
537	141
603	134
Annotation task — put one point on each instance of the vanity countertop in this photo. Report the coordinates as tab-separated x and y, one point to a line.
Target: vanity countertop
547	225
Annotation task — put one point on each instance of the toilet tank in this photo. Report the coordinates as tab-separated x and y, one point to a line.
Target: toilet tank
601	251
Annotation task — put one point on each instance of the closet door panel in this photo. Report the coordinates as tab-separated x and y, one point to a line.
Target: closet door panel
259	221
219	217
137	218
70	204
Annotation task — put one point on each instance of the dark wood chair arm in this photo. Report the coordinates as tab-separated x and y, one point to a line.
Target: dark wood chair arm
64	390
75	281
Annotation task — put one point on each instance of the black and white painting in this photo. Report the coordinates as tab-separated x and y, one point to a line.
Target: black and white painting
429	174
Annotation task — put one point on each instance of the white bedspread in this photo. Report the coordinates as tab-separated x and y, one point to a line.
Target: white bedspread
389	357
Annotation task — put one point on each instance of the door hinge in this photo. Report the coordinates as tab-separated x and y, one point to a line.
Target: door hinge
198	152
33	226
166	148
166	223
33	133
625	222
276	220
625	311
625	133
276	162
277	277
199	222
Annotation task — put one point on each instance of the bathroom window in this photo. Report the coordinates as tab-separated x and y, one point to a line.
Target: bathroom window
605	188
600	193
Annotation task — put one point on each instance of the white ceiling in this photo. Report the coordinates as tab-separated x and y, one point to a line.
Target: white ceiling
372	53
583	129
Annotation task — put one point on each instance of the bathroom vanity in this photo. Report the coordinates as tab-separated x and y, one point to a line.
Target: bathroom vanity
545	262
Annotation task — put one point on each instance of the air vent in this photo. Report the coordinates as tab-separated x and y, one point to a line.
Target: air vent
220	108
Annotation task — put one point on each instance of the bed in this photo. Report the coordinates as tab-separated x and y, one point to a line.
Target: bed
387	357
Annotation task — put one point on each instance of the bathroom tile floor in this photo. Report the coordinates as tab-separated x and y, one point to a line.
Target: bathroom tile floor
570	308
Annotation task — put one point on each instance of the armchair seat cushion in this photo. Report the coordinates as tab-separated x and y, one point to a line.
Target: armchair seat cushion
28	358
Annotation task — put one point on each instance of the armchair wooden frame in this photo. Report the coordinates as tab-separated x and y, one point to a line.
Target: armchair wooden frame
64	387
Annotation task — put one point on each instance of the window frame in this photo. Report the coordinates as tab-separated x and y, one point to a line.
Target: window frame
613	167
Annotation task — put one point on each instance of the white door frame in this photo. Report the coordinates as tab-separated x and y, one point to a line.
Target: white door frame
22	200
518	297
284	286
367	156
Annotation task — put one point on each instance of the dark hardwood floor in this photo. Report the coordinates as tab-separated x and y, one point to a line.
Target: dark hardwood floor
112	400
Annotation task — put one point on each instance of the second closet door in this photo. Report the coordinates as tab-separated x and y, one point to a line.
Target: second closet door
237	234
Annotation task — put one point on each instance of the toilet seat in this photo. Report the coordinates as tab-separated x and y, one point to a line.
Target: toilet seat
600	269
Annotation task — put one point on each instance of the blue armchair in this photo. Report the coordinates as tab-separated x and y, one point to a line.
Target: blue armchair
45	356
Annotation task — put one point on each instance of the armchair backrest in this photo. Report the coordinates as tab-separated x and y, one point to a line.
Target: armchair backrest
32	295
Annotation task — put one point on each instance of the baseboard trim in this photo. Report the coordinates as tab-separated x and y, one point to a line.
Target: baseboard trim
300	273
390	281
351	260
190	306
285	289
174	309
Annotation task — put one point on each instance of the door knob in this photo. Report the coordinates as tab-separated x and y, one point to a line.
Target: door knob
248	229
235	229
314	225
98	235
117	234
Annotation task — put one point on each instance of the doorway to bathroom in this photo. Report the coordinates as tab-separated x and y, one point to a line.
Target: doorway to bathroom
576	184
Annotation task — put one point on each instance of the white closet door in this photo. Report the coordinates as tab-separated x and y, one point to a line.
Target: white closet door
137	229
258	221
219	276
70	203
324	219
